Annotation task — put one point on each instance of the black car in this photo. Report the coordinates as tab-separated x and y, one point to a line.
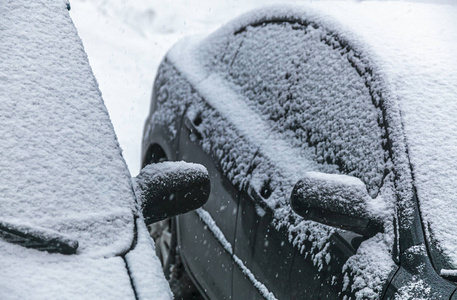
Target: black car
328	136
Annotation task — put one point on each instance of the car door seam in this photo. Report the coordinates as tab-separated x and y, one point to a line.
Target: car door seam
220	237
123	256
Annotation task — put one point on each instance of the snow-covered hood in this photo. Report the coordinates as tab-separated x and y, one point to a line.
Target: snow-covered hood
411	48
31	274
61	167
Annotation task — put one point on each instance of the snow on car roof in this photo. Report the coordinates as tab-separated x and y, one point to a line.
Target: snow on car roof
410	50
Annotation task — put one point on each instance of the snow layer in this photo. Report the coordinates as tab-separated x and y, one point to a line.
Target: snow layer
31	274
392	69
169	168
346	193
61	167
288	83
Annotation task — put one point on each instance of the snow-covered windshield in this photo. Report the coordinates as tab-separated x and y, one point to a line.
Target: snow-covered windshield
60	167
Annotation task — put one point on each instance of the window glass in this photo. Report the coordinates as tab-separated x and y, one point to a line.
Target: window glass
308	91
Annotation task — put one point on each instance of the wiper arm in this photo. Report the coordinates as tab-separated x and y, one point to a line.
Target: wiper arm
37	238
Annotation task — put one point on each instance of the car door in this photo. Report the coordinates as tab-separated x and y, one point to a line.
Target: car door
305	86
264	250
204	252
207	236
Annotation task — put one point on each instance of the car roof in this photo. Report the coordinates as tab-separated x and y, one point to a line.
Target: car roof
409	50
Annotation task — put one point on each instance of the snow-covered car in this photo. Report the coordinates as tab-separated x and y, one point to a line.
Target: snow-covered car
329	134
71	225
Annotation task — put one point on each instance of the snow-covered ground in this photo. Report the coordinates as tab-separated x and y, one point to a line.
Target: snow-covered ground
126	40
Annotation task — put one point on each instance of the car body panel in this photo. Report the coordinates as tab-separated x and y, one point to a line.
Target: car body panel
145	269
222	205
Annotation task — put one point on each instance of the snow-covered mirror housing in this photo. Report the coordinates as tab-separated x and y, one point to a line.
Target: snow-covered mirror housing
339	201
168	189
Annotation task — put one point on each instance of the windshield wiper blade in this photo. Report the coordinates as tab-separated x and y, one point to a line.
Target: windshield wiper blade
37	238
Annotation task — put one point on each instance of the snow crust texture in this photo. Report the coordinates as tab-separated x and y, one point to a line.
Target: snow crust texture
347	194
310	93
32	274
260	90
61	166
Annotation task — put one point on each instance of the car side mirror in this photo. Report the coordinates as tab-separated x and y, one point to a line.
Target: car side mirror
339	201
168	189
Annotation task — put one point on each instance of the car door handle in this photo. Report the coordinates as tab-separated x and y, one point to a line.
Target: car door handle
260	195
193	127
